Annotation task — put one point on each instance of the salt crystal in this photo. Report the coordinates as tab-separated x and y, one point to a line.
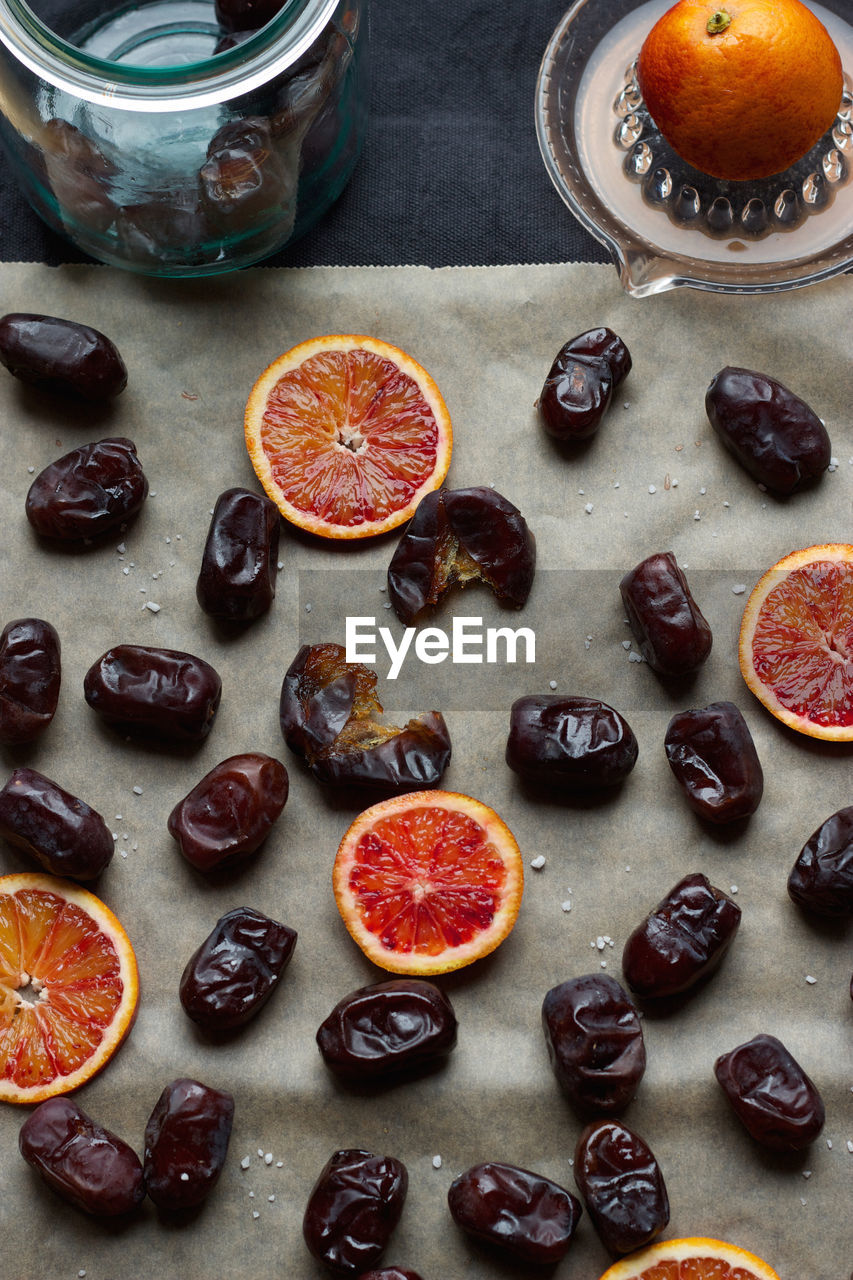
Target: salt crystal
387	604
280	565
137	791
251	1195
696	515
829	1144
626	644
566	906
738	589
245	1162
185	1177
255	1213
261	1152
588	508
168	541
271	1199
807	1173
538	863
626	404
604	964
121	548
580	493
703	490
675	484
833	462
635	657
125	571
307	608
279	1164
268	1158
436	1162
803	1200
149	604
552	684
122	853
31	470
616	482
733	888
652	489
599	942
627	868
810	980
850	1146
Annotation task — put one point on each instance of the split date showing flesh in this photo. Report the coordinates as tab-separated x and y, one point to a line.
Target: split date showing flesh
622	1186
87	492
229	813
236	582
821	880
229	978
770	1093
186	1141
64	834
666	621
396	1028
569	744
579	388
525	1216
61	355
30	677
163	695
352	1210
712	755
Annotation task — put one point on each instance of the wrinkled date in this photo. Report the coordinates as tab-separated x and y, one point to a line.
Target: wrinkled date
569	744
88	492
238	566
62	833
160	694
772	433
457	535
713	757
81	176
229	813
595	1043
61	355
622	1186
244	178
88	1166
777	1103
236	969
30	676
521	1213
186	1141
580	384
682	940
352	1210
326	714
400	1027
821	879
666	621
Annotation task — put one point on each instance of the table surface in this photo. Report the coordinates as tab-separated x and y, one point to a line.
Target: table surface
450	174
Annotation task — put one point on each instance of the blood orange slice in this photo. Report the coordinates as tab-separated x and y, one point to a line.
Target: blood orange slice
69	986
693	1258
428	882
796	641
346	434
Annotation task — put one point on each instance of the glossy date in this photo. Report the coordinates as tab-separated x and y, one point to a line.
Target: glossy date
821	880
401	1027
30	677
622	1186
236	582
569	744
526	1216
229	978
88	1166
595	1043
229	813
244	177
64	834
770	1093
87	492
186	1141
712	755
665	620
352	1210
160	694
61	355
580	384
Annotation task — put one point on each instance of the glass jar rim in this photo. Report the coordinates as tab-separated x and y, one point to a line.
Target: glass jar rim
207	82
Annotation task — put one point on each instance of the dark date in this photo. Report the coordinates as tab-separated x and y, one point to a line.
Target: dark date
88	1166
770	1093
622	1186
352	1210
80	175
172	229
821	880
327	714
160	694
230	977
229	813
30	677
773	434
87	492
62	833
186	1141
569	744
681	941
665	620
245	179
522	1214
457	535
595	1043
401	1027
61	355
236	582
713	757
579	388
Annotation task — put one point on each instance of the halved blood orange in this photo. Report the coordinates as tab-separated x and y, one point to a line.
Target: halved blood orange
428	882
346	434
69	986
796	641
692	1258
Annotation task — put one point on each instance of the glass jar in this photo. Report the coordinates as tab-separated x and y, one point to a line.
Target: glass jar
182	137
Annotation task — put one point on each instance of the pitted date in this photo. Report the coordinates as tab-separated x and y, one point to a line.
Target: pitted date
595	1043
526	1216
580	384
229	978
88	1166
821	880
770	1093
401	1027
666	621
160	694
87	492
569	744
454	536
62	355
712	755
681	941
64	834
622	1186
186	1141
229	813
326	711
30	677
236	582
353	1208
774	434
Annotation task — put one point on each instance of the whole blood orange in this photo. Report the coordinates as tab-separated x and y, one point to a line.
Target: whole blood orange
796	641
346	434
428	882
69	986
743	89
692	1258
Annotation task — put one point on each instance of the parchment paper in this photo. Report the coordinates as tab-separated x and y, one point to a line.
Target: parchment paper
655	478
